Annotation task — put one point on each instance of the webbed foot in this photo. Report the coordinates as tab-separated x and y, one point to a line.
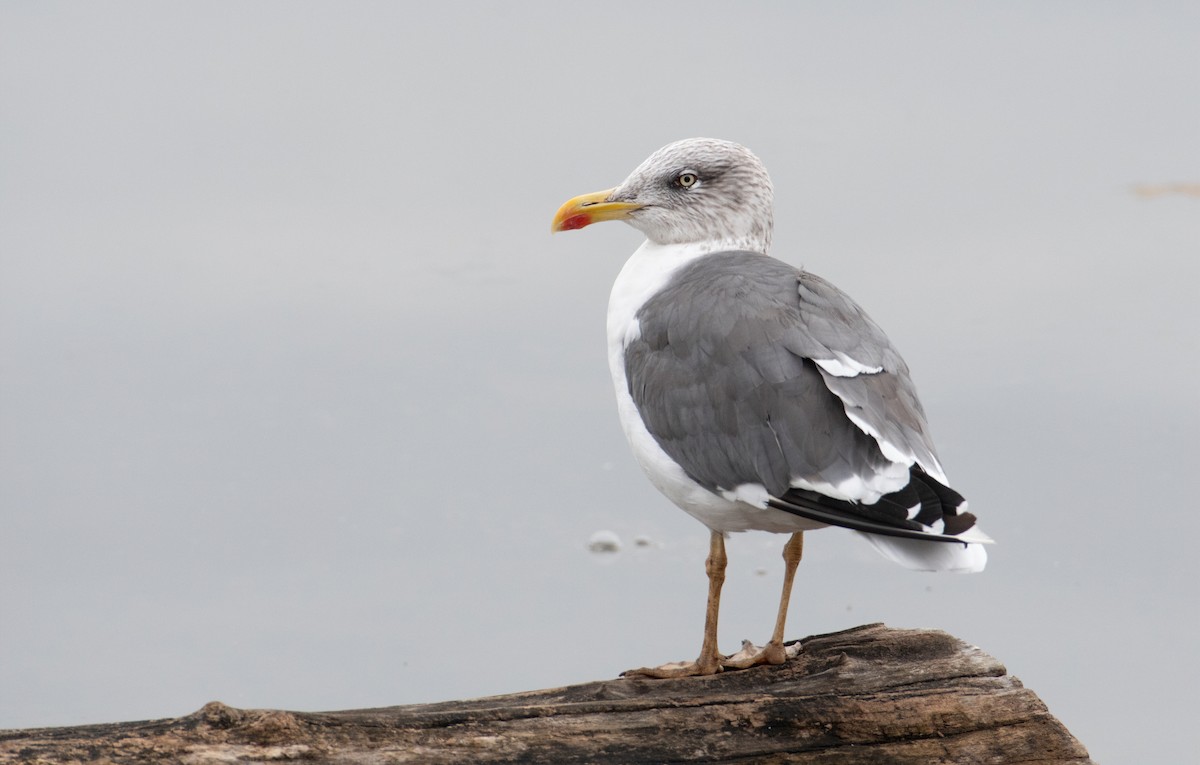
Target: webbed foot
751	655
709	665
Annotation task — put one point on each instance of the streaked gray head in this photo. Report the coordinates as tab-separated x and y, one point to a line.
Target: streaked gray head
701	190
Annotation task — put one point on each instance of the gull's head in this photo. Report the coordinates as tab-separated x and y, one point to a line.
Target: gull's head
695	191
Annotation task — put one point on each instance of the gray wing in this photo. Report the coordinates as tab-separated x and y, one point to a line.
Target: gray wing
862	368
748	370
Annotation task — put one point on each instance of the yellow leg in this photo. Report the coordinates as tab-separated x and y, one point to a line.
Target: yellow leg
710	660
793	551
774	652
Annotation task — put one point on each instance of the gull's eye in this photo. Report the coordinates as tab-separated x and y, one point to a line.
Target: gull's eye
687	180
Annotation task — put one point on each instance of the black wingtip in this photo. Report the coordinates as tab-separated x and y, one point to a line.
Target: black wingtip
889	516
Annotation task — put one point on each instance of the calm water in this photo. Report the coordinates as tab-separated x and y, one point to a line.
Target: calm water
302	407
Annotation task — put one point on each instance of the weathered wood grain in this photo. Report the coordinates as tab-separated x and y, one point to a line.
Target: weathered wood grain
866	695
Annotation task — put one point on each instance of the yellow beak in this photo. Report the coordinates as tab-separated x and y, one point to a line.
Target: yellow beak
588	209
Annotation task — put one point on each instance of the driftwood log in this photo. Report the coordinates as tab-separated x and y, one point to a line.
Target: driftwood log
866	695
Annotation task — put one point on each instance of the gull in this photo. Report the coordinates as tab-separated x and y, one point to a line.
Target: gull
756	395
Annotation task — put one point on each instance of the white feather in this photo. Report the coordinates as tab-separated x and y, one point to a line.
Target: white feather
930	556
844	366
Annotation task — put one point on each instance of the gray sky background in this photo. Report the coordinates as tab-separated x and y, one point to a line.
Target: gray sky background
301	406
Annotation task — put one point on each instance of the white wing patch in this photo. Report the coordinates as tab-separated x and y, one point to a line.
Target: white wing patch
890	450
842	365
859	488
751	493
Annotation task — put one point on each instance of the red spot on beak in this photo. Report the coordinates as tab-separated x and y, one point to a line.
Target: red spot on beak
575	222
